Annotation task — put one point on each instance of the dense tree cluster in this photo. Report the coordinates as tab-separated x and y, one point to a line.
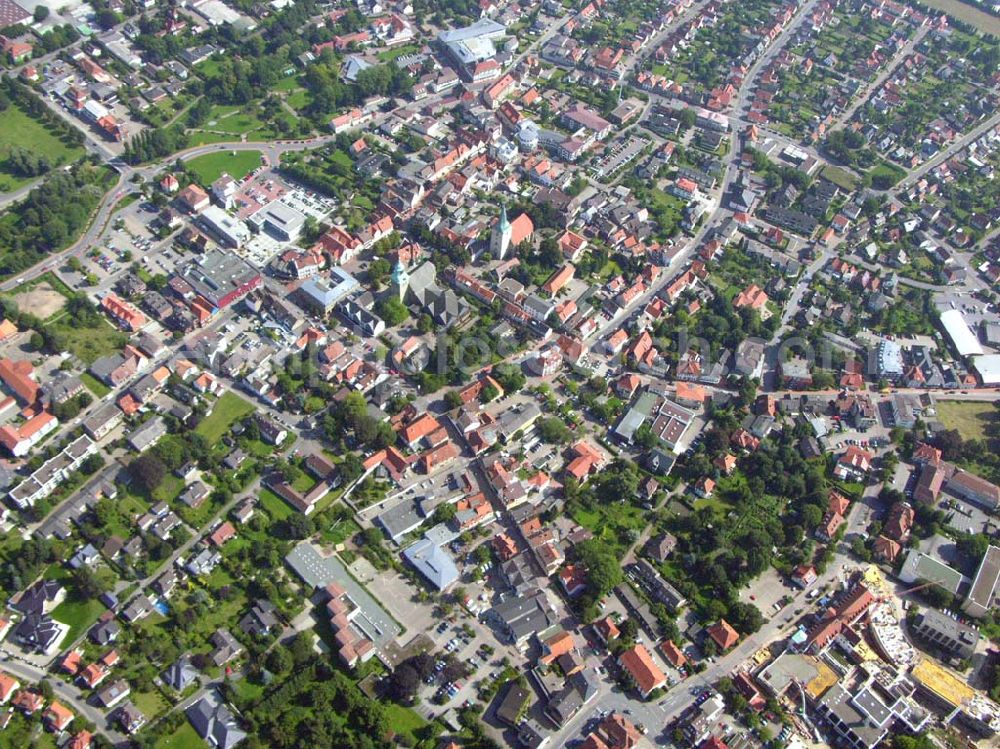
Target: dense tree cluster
351	417
153	143
318	706
50	216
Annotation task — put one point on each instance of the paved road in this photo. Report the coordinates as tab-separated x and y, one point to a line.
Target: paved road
947	153
862	96
12	197
70	694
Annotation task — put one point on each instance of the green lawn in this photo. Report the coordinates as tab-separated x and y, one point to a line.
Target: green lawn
151	704
236	123
840	177
92	342
298	99
95	386
884	175
246	691
169	489
201	138
404	721
287	83
969	419
18	130
78	614
238	164
612	523
339	531
184	737
229	409
389	55
275	506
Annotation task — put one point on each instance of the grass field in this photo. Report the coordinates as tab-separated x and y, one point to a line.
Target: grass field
969	419
90	343
151	704
78	614
404	721
840	177
884	175
274	505
19	130
201	138
229	409
184	737
238	164
968	14
95	386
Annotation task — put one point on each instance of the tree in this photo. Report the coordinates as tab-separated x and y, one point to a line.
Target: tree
445	513
393	311
300	526
88	584
301	648
404	683
452	399
973	546
147	471
379	271
603	570
41	13
279	660
554	430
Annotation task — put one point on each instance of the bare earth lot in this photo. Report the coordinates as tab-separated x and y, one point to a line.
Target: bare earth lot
42	301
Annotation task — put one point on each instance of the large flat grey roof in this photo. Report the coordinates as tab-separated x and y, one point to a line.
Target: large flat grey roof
986	578
318	571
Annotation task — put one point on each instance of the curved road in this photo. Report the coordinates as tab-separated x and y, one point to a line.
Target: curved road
273	150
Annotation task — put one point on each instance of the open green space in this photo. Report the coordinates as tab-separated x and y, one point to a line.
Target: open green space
274	505
238	164
97	388
840	177
404	722
18	130
288	83
247	691
389	55
203	138
970	420
298	99
151	704
229	409
883	176
91	342
78	614
184	737
966	13
236	124
612	524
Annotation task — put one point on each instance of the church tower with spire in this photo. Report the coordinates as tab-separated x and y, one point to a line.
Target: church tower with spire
400	280
500	238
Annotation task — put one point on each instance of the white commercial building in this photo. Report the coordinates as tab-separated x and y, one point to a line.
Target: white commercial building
227	229
961	335
988	368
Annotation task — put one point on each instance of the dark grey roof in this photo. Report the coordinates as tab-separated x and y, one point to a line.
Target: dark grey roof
180	674
215	723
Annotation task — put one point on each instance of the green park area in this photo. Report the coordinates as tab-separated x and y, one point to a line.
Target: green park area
237	164
19	131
